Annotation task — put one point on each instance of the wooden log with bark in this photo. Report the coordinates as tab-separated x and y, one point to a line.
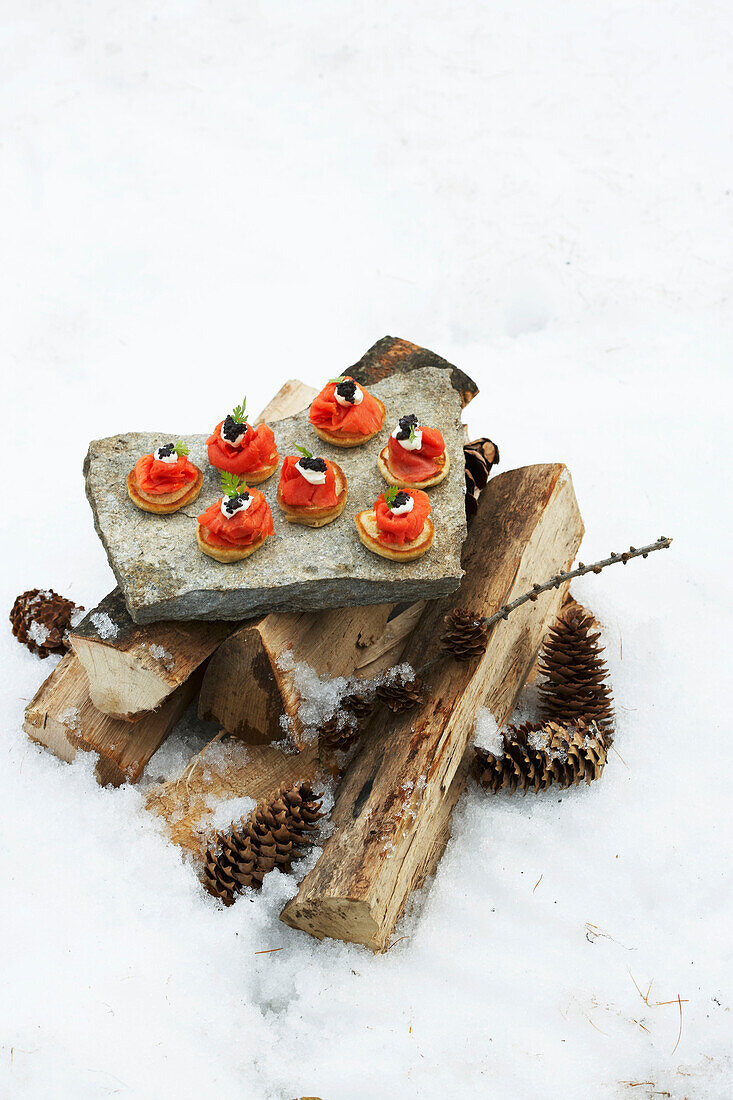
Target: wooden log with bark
62	717
391	815
392	353
133	669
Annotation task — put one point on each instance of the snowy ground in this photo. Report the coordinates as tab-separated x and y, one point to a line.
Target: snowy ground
202	198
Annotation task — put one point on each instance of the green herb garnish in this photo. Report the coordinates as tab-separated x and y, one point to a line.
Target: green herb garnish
238	415
412	432
232	485
390	495
303	450
341	378
181	448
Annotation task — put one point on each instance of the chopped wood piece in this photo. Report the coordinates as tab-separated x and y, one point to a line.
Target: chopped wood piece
224	769
132	669
392	354
331	642
291	398
390	812
62	717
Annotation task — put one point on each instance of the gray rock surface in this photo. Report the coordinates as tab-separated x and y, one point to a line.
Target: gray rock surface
163	574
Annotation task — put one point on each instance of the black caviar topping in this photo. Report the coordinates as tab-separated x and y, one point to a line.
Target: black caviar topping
166	450
400	499
231	429
347	390
318	465
406	422
233	504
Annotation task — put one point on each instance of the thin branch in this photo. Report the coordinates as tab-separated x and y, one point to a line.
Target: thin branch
580	571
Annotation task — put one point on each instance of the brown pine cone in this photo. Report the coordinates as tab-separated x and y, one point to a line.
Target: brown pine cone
536	755
359	703
479	456
576	684
278	830
338	734
41	620
465	635
400	695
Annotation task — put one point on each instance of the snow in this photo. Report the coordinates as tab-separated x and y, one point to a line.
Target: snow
486	733
162	654
320	696
104	625
257	192
38	632
230	811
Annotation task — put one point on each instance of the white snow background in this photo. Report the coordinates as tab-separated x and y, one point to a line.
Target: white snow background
202	199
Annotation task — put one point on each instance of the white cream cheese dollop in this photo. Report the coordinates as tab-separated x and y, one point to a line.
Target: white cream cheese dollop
358	396
400	509
237	442
313	477
241	506
409	444
172	457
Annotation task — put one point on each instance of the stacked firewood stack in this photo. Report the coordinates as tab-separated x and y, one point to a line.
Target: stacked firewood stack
122	686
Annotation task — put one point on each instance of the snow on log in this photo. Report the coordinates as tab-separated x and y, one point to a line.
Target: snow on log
343	642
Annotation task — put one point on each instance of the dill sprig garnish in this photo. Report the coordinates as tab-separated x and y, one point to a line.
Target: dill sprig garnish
232	485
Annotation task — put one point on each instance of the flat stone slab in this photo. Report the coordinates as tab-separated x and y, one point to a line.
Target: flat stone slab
163	574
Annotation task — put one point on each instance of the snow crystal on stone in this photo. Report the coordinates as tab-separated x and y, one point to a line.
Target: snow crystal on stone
37	632
104	625
486	733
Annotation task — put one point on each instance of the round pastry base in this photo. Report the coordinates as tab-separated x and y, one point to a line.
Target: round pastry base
386	472
317	517
349	439
256	477
366	526
222	555
165	503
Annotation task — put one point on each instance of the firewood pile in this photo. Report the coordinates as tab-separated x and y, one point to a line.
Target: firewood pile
379	701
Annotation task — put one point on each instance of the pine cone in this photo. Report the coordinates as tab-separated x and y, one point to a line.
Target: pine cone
277	831
536	755
359	703
577	676
338	733
41	620
465	635
400	695
479	456
344	728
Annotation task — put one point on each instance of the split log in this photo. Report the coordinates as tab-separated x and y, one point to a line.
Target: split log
62	717
132	669
390	813
392	354
223	770
341	642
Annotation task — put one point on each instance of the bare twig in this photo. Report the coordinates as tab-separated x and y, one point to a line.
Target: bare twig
579	571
